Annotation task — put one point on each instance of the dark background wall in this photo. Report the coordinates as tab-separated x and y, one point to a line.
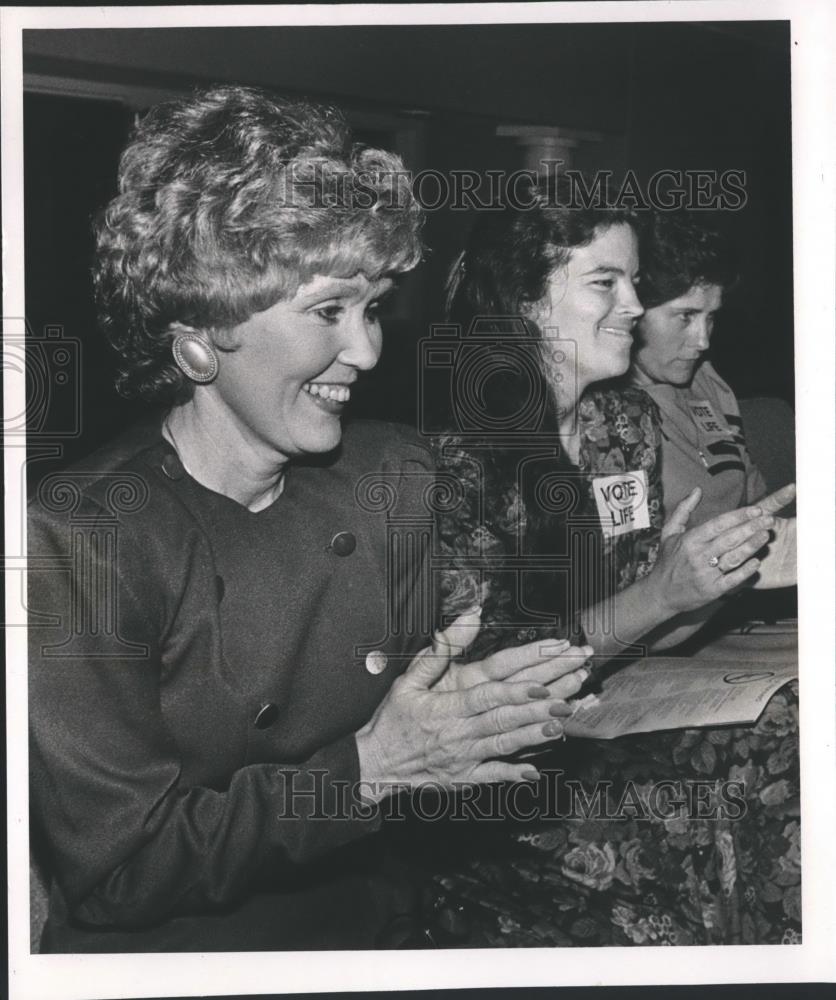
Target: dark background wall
676	96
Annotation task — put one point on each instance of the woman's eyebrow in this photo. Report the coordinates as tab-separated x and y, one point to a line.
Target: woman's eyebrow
330	290
345	288
605	269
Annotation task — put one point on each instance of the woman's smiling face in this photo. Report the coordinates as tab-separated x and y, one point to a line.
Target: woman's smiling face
591	303
286	379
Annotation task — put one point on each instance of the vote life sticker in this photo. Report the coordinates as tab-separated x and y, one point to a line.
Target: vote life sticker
705	418
622	502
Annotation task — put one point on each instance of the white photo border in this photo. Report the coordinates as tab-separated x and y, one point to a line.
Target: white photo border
44	977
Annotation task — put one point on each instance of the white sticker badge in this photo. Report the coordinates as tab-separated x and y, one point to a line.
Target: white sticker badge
622	502
705	417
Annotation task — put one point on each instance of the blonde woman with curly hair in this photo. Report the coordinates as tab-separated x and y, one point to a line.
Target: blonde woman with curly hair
224	692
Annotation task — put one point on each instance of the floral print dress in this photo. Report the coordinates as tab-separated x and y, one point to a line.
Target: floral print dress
641	865
517	565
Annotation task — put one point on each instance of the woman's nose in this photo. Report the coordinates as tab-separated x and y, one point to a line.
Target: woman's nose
362	343
629	302
702	334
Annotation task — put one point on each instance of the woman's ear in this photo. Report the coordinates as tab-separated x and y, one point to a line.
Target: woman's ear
531	311
193	354
535	315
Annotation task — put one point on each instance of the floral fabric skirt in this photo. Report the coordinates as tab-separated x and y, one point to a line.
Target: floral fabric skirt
676	838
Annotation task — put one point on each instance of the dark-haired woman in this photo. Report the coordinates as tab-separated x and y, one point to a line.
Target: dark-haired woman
687	270
229	664
561	531
551	290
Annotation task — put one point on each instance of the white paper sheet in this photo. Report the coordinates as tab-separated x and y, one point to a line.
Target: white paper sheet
658	693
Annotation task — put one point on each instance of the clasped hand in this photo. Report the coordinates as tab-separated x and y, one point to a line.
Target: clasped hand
431	728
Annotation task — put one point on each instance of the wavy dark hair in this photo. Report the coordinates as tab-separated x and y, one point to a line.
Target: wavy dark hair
504	271
228	201
677	252
492	290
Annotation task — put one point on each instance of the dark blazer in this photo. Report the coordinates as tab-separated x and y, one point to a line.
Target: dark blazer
197	673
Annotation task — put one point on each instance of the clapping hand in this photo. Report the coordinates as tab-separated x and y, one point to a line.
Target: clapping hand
553	662
698	565
424	733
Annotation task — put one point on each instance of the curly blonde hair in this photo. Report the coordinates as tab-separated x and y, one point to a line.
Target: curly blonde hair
228	201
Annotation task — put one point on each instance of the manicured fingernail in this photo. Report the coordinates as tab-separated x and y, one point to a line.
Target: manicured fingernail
530	776
582	675
560	708
755	512
552	729
538	692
